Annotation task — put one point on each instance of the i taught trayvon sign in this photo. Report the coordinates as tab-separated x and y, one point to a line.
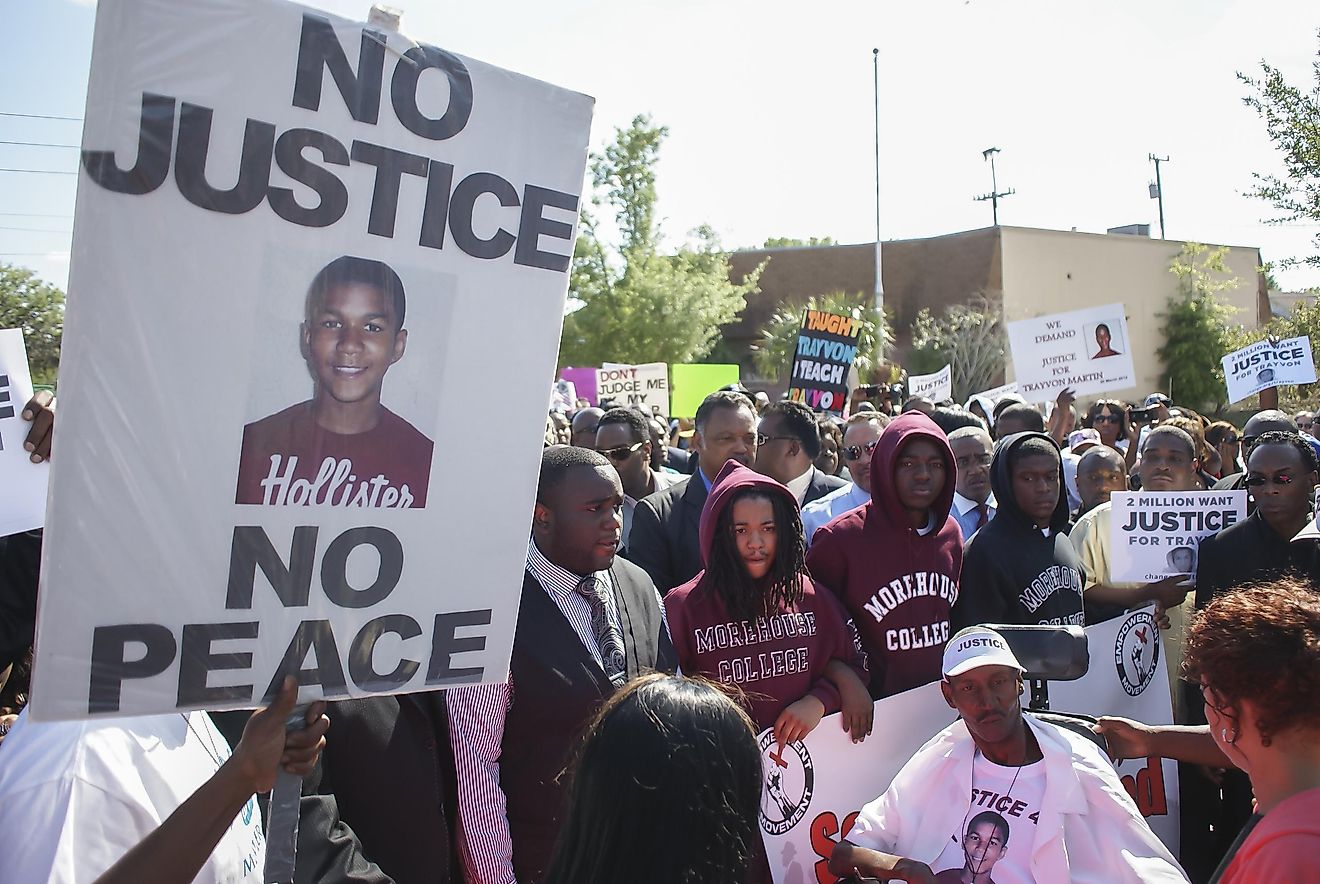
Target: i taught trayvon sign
826	347
299	262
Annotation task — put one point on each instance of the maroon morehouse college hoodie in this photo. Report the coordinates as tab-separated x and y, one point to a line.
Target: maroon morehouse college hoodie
776	660
897	583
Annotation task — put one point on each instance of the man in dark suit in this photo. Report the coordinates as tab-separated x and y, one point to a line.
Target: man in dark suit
664	535
588	622
787	447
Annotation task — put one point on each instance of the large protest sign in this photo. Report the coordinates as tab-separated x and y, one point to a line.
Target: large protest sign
1157	534
1267	364
936	387
692	383
826	347
814	788
988	398
645	385
276	208
1086	350
23	501
583	381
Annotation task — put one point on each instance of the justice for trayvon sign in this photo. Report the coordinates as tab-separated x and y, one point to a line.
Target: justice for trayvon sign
297	240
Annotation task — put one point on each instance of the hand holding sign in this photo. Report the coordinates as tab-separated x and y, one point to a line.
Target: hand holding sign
41	411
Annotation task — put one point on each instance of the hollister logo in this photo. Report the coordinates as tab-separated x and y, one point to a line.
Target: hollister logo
789	781
1137	652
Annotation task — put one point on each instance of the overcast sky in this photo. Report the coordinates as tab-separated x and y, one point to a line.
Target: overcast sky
769	106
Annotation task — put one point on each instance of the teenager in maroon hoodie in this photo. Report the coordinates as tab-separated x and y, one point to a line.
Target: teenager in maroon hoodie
754	618
894	561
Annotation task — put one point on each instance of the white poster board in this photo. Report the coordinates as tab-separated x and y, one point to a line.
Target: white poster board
936	387
646	385
814	789
989	398
23	499
275	208
1267	364
1087	350
1157	534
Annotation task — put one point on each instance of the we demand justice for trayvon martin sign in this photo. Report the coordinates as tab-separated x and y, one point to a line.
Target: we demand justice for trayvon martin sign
297	241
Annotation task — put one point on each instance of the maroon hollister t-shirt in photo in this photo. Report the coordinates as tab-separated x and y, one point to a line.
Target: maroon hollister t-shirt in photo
288	460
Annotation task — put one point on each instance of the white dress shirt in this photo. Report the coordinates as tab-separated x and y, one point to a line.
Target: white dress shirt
836	503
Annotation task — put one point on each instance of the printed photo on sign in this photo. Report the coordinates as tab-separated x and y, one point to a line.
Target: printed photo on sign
1107	337
343	446
1157	534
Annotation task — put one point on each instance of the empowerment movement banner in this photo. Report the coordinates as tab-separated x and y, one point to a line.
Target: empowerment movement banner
298	245
1085	350
814	788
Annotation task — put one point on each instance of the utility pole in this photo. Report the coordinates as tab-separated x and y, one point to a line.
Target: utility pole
1156	190
879	282
995	193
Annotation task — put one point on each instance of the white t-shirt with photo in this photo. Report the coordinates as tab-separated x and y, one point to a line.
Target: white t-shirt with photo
999	827
76	796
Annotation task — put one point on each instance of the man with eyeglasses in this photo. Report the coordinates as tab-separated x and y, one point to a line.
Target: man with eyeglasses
974	502
786	451
624	437
664	537
1269	421
861	433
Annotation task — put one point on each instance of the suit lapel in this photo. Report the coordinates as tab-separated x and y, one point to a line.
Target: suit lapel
562	632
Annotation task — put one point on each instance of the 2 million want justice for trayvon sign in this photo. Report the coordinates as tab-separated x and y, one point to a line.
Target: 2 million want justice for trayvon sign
298	244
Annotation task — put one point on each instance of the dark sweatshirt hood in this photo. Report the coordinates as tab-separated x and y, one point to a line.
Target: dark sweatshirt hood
903	429
734	477
1001	483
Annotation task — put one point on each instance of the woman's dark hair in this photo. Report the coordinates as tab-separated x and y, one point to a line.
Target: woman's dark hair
1261	644
828	427
350	270
1215	433
666	789
1113	405
781	588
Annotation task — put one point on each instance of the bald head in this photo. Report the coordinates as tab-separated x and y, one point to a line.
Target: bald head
1269	421
1100	472
585	423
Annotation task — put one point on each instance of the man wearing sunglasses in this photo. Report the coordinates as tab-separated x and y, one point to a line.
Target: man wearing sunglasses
786	451
625	439
861	433
1262	422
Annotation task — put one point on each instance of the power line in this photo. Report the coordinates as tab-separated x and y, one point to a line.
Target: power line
40	171
40	144
40	117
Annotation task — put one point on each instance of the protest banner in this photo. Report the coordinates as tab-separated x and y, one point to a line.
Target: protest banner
23	503
936	387
814	788
826	347
645	385
345	202
1266	364
1157	534
692	383
583	381
1086	350
988	398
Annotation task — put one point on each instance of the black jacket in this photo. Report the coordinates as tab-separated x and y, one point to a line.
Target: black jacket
1248	552
821	484
663	540
1011	572
20	562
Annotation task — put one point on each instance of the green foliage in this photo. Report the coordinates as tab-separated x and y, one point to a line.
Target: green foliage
1304	321
773	355
969	337
783	242
38	309
634	304
1196	328
1292	120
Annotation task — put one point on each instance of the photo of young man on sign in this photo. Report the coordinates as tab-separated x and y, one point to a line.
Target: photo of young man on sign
1104	340
342	447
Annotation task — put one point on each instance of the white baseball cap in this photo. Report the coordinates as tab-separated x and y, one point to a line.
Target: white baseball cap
977	646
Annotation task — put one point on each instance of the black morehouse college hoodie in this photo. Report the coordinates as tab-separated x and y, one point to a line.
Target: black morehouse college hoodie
1012	572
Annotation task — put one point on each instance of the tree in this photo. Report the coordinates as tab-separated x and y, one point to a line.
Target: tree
968	337
1196	327
782	242
773	355
37	308
633	303
1292	120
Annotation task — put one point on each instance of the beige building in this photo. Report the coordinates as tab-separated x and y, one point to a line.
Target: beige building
1029	272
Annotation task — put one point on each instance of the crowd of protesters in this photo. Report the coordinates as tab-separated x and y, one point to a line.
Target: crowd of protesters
789	565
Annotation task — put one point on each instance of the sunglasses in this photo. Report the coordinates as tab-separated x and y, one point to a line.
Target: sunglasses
623	452
1282	479
1228	440
1107	418
762	439
856	452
